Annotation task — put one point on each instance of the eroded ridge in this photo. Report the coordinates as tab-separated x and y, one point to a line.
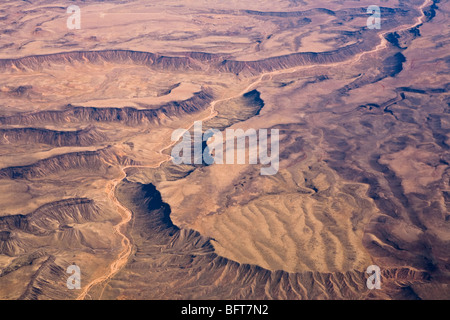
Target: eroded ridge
86	176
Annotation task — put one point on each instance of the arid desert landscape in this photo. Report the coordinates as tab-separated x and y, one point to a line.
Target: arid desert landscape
88	178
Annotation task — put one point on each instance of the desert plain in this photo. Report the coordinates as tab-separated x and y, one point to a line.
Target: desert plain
87	177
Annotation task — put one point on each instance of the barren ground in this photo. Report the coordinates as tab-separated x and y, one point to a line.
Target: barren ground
86	118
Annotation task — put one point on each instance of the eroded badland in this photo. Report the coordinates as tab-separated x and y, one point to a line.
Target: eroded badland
86	177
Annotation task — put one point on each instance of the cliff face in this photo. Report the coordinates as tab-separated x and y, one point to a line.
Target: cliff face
48	282
127	116
98	57
55	222
290	14
201	61
188	257
11	245
389	67
88	160
191	61
52	216
296	59
79	138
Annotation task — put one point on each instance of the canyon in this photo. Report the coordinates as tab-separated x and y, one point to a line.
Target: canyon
86	136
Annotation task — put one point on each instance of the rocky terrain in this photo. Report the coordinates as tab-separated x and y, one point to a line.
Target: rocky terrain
86	177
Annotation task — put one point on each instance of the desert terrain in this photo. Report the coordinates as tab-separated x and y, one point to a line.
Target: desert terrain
87	177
